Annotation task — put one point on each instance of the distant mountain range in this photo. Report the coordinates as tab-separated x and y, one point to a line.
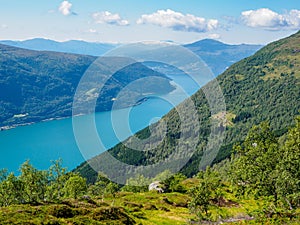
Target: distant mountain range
74	46
217	55
262	87
40	85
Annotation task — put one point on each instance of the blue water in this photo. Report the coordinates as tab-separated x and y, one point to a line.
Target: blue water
46	141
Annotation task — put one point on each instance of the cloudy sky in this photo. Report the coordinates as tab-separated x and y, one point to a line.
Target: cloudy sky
123	21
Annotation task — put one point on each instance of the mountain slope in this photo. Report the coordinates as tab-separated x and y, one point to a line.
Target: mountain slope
37	85
219	56
263	87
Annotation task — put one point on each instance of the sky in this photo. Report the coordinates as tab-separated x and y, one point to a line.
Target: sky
126	21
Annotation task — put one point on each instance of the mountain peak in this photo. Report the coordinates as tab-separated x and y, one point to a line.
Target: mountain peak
212	51
207	43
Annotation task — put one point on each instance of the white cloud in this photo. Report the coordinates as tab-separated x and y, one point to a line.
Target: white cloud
270	20
214	36
92	31
65	8
3	26
294	18
109	18
178	21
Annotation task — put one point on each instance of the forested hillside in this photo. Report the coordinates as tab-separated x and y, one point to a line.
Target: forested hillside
37	85
263	87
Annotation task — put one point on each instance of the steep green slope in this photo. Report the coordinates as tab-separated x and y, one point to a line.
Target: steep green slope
40	85
263	87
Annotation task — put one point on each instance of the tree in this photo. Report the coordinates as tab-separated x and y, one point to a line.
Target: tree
75	186
139	183
203	194
163	176
100	185
11	191
112	188
57	179
266	167
200	200
288	181
173	183
3	174
34	183
103	186
254	166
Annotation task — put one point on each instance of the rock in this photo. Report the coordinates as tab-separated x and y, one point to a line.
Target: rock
156	186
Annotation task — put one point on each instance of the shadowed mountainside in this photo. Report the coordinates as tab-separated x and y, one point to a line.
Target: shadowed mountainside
39	85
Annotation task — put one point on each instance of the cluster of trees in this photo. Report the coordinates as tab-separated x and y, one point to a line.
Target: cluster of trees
263	167
268	166
208	189
33	186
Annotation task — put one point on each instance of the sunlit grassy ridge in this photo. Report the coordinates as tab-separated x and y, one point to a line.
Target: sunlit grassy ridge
136	208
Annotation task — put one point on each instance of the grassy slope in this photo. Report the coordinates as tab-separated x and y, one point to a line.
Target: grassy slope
263	87
147	208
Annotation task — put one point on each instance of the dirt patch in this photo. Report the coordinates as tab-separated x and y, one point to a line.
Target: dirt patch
222	202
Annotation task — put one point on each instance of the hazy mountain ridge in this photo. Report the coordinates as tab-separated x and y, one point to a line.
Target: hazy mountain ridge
72	46
217	55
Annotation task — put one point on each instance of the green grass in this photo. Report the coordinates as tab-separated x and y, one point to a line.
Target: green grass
147	208
154	208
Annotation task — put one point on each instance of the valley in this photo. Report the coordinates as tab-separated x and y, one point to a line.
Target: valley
190	130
